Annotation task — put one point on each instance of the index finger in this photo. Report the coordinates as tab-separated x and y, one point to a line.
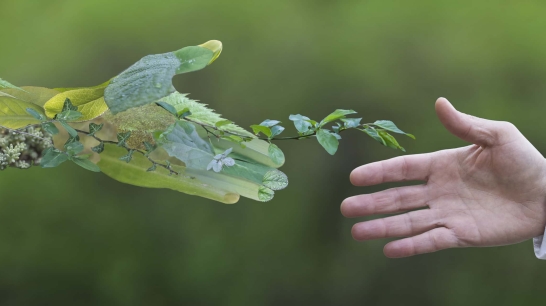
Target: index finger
403	168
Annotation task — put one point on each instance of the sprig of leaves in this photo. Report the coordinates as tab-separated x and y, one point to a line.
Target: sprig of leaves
53	157
329	139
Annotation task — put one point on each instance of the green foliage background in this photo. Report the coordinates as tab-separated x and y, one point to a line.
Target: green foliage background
72	237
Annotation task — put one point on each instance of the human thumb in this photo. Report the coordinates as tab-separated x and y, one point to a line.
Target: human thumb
476	130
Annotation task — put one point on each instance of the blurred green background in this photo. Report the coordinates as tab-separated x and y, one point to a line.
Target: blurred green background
72	237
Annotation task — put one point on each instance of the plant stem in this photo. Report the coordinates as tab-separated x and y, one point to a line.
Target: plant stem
299	137
145	154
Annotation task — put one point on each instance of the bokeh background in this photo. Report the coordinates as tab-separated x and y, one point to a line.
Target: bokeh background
72	237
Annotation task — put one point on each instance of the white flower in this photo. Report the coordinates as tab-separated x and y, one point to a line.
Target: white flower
212	164
218	166
228	161
221	160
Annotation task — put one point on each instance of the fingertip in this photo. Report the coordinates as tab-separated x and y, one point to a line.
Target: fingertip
343	208
442	105
351	208
442	100
353	177
448	115
395	249
356	232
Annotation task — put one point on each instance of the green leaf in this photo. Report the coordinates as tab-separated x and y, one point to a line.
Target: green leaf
301	123
35	114
72	139
149	147
135	173
337	114
168	108
261	129
265	194
71	131
88	101
84	156
86	164
328	141
3	94
275	180
99	148
6	84
69	115
390	126
185	112
35	95
193	58
68	106
269	123
351	122
122	138
150	79
127	157
276	154
53	158
276	130
14	115
152	168
234	138
222	123
372	132
260	174
50	128
73	148
184	143
390	140
94	128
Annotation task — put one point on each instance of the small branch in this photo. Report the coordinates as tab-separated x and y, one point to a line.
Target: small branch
145	154
299	137
95	137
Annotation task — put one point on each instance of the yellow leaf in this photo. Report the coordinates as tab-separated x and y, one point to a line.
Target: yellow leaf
90	102
14	115
63	89
215	46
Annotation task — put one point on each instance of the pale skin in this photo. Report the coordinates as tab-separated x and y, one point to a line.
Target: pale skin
490	193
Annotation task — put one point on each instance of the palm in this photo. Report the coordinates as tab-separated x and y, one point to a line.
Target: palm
481	195
486	197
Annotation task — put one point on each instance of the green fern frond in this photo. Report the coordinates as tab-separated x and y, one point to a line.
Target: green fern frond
201	113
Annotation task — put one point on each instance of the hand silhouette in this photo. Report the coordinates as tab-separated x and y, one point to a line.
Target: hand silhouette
488	194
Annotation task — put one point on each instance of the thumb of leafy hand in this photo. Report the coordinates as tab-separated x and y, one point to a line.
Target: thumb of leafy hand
490	193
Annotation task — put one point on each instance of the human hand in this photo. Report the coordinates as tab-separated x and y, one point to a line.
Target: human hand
488	194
